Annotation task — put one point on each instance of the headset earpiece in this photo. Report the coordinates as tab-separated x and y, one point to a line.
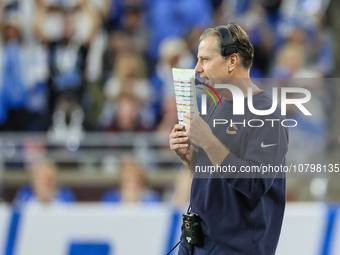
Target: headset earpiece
228	46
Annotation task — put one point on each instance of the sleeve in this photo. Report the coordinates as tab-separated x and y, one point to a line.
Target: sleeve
263	160
66	195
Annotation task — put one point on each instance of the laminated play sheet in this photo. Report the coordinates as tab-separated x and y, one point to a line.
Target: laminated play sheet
185	92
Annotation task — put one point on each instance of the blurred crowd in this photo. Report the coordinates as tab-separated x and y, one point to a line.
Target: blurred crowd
74	65
44	187
69	66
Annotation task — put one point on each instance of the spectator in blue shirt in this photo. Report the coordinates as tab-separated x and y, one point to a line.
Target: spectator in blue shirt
133	186
44	187
23	76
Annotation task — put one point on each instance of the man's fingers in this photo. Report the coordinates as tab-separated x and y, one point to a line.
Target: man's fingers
182	133
186	120
179	146
178	127
177	134
180	140
187	115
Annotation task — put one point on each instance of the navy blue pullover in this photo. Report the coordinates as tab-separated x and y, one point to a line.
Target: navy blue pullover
244	215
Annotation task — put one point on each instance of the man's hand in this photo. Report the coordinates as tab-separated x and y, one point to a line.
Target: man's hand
198	130
200	134
179	142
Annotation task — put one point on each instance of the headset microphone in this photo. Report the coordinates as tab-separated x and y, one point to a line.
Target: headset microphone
198	82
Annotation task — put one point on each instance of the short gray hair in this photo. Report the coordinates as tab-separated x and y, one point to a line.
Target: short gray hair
241	40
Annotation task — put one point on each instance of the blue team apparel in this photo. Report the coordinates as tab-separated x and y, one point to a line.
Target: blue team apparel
243	216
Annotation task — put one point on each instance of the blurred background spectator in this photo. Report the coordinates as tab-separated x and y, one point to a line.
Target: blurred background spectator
23	74
128	80
44	187
133	186
127	115
67	28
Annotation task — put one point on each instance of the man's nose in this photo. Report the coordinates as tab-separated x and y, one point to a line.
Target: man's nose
198	68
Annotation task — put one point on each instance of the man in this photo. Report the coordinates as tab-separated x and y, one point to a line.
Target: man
240	213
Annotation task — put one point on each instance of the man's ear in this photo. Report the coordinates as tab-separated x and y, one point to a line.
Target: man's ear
233	61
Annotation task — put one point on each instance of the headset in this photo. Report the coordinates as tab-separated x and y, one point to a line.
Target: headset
228	46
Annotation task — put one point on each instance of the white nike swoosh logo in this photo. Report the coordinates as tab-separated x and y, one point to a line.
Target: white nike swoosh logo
267	145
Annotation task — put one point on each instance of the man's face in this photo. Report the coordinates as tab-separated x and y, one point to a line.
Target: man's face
44	182
211	64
